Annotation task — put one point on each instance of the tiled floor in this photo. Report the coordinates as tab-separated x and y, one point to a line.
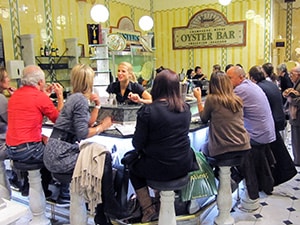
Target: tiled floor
280	208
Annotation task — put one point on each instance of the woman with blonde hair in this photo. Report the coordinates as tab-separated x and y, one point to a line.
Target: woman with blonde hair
73	125
126	89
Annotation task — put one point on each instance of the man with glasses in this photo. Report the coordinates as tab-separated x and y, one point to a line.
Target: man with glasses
293	97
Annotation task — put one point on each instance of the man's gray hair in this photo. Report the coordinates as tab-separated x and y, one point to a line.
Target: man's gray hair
282	67
32	75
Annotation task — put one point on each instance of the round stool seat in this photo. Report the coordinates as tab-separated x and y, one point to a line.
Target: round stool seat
63	177
169	185
27	166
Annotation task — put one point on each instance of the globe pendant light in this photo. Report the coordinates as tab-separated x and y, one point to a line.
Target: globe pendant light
146	23
224	2
99	13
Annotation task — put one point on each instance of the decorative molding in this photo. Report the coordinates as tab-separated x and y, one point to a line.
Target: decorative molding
289	31
49	29
145	5
87	1
224	50
268	24
15	27
191	51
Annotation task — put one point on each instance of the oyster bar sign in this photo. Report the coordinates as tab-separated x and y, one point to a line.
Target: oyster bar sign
209	28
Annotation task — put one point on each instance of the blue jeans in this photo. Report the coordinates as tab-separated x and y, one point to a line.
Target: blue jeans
30	153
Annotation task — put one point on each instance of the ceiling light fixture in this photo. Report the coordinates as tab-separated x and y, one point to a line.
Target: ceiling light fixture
224	2
146	23
99	13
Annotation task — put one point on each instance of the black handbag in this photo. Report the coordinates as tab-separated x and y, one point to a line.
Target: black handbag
130	157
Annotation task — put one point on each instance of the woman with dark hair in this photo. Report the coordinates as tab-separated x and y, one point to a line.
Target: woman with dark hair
190	73
268	71
161	138
5	191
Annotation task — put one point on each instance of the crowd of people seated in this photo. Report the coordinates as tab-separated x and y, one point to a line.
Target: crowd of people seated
257	103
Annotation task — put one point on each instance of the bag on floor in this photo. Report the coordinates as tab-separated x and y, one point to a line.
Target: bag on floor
201	183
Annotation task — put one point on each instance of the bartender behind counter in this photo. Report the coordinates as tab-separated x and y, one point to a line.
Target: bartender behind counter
126	91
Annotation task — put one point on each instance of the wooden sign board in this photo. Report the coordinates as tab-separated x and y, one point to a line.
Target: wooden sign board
209	29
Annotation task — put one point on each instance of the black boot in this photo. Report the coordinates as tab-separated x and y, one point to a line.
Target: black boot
100	218
111	206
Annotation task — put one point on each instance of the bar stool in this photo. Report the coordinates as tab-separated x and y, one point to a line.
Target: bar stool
78	211
5	191
167	213
224	196
37	200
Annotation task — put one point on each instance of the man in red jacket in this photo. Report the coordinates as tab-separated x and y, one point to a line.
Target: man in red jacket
26	110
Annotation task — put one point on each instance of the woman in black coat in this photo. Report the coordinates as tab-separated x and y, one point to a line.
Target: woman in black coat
161	138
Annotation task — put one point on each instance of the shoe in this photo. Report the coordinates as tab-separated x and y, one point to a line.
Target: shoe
48	194
63	202
148	209
13	180
100	217
60	202
25	190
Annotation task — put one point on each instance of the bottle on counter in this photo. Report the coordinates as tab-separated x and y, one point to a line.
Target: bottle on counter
53	52
46	51
56	52
42	51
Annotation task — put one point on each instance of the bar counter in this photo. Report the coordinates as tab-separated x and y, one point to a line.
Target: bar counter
115	141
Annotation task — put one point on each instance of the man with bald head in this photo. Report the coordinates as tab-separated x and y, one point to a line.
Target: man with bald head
259	123
293	97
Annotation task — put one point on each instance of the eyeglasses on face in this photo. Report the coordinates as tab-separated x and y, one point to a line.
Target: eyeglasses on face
294	73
